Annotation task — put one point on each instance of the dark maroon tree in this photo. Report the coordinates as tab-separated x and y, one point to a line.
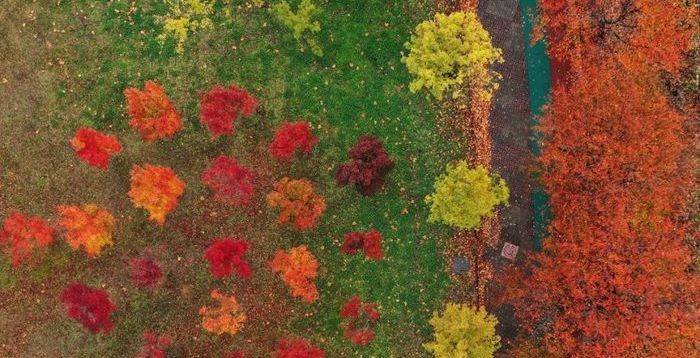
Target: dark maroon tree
145	272
89	306
369	164
370	242
226	254
291	137
230	182
220	107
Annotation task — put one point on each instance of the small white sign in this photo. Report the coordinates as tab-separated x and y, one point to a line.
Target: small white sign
509	251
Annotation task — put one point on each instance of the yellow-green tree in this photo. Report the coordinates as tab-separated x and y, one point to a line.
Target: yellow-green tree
463	196
301	23
448	51
463	332
185	17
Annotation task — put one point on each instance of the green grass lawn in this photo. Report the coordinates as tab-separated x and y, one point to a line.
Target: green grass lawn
66	64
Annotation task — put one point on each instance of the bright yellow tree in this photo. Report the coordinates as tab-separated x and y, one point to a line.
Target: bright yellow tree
463	332
463	196
450	51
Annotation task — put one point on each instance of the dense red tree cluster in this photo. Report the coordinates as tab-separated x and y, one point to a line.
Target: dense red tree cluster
613	278
152	113
91	307
95	148
230	182
145	272
226	254
297	348
155	346
370	242
291	137
220	107
369	164
358	317
23	234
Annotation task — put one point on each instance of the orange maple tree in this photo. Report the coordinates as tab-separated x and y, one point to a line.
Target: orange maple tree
298	203
95	148
155	189
633	32
152	113
88	226
297	267
24	234
227	318
612	279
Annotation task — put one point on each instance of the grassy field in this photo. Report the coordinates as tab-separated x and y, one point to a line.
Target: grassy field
64	64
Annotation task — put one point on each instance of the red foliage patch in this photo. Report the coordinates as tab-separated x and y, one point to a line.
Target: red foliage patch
155	346
370	242
220	107
152	113
24	234
369	164
358	317
235	355
290	137
145	272
95	148
230	182
89	306
297	348
225	254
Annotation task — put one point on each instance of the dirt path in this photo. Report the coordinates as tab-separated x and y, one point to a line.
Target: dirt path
510	134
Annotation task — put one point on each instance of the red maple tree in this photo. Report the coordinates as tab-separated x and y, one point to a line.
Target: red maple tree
152	113
91	307
23	234
290	137
230	182
145	272
370	242
155	345
220	107
358	318
369	164
226	254
297	348
95	148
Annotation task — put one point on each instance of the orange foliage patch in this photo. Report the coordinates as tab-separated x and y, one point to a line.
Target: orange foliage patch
88	226
297	267
152	113
227	318
94	147
155	189
24	234
298	203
